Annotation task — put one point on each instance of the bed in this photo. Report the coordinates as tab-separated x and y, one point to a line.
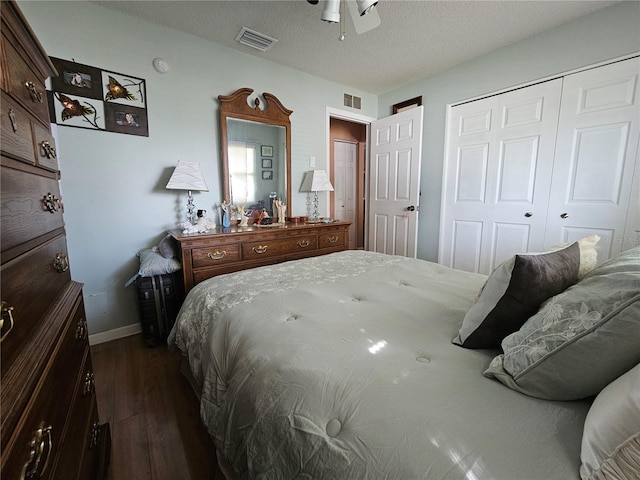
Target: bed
354	365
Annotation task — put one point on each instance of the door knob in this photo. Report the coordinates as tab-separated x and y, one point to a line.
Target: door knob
528	214
564	215
411	208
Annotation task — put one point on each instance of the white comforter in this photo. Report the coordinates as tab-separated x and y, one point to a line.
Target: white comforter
342	367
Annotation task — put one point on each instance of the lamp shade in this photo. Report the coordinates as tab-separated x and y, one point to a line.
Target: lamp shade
316	181
187	176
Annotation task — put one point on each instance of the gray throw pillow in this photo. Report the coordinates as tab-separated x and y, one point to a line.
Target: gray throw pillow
513	292
580	340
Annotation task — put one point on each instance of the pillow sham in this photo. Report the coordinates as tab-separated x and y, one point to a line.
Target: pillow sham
152	263
611	436
513	292
581	339
588	253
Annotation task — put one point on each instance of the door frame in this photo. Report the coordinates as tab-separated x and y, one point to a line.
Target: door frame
353	117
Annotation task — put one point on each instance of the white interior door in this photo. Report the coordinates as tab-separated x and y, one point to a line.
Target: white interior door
596	156
498	166
394	183
345	156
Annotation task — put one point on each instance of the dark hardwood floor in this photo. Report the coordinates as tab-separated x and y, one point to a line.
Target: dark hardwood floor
156	431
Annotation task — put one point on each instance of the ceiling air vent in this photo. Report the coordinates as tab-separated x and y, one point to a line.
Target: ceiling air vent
352	101
254	39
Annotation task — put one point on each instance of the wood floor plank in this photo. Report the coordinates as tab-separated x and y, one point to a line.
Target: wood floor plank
102	357
129	451
154	415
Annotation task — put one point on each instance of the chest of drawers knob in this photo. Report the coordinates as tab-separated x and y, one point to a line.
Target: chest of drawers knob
61	263
48	149
39	454
303	243
88	385
333	238
13	120
36	96
7	316
51	203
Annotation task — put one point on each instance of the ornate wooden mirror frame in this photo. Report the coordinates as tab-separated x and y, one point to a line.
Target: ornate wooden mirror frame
236	106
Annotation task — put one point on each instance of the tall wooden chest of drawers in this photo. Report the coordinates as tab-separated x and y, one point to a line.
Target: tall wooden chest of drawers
48	412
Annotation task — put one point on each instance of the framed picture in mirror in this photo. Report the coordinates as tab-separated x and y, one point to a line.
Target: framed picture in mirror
267	175
267	163
266	151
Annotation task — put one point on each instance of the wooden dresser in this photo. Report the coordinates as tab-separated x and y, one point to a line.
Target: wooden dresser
237	248
48	411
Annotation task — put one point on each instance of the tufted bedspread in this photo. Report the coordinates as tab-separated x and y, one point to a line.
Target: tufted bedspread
342	367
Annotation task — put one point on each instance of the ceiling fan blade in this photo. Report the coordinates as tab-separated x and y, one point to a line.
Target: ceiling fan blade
365	23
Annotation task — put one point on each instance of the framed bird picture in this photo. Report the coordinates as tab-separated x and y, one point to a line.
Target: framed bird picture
83	96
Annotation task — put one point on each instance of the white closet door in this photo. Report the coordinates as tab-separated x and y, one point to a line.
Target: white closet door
596	154
499	160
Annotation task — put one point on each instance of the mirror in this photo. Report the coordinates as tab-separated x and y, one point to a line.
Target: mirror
256	150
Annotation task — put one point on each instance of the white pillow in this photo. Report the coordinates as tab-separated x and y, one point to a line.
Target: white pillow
152	263
611	436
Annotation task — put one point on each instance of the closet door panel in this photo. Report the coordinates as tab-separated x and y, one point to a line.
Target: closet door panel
497	176
596	156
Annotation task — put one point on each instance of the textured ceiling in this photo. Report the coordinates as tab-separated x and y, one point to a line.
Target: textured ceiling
415	39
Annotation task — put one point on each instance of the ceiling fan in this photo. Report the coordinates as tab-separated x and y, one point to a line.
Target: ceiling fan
363	14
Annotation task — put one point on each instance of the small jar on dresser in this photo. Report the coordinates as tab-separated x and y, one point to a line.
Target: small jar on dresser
48	410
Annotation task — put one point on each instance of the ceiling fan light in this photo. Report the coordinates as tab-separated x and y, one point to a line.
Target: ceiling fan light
331	11
364	6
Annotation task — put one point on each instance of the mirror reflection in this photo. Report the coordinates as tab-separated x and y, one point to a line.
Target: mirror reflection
257	164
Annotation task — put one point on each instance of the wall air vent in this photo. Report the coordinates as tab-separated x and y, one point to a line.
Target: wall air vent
254	39
352	101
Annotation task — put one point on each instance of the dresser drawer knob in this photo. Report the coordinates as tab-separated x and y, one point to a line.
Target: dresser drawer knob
61	263
81	329
217	254
51	203
260	249
333	238
48	149
36	96
13	120
88	385
7	318
94	436
39	454
303	243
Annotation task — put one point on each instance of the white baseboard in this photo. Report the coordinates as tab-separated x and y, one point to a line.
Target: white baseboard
114	334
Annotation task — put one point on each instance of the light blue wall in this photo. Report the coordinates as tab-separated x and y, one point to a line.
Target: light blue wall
604	35
113	184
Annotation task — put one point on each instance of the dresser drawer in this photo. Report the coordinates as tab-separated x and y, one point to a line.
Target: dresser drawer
45	148
30	284
206	257
17	136
43	422
30	206
271	248
77	441
332	239
25	85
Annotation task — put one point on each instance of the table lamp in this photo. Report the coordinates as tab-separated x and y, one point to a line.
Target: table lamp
316	181
188	176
